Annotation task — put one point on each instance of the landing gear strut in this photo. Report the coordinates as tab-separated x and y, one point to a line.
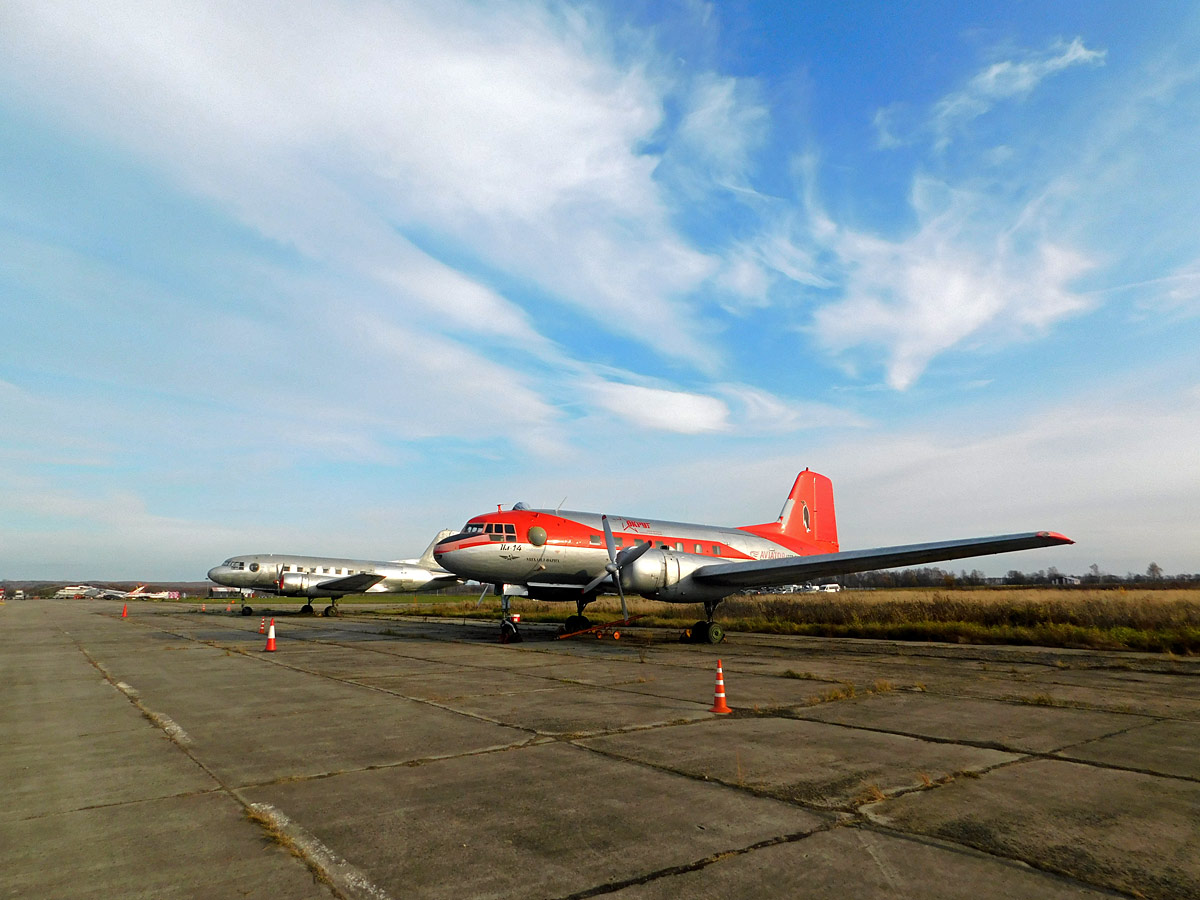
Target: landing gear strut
579	621
706	632
509	634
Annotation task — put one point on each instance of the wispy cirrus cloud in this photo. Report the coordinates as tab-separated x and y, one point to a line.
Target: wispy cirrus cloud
902	123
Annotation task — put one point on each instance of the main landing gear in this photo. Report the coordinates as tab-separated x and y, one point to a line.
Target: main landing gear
246	610
577	622
332	610
705	632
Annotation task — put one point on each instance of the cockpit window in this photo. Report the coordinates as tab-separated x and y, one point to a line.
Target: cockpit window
472	528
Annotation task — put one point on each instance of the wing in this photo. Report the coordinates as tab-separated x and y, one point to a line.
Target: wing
792	569
350	584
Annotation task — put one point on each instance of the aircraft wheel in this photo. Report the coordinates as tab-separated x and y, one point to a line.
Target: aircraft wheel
330	611
696	634
306	608
509	633
712	633
247	611
576	623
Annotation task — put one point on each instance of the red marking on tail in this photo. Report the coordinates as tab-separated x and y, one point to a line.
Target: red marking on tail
806	524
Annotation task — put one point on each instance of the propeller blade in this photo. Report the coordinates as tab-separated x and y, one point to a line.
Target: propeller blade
621	591
597	581
608	540
629	554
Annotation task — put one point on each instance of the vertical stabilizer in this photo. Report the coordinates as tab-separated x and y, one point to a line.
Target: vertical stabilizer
807	523
427	559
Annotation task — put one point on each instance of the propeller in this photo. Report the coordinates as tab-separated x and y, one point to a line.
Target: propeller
616	562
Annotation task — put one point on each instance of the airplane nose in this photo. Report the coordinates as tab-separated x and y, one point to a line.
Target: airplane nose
213	573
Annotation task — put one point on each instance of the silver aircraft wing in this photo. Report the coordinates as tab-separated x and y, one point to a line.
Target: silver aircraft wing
793	569
351	584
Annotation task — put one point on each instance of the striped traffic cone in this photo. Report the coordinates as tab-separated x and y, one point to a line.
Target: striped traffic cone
719	705
201	607
262	626
270	648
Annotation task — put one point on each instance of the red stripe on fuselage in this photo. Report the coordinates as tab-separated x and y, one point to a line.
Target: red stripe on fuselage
562	531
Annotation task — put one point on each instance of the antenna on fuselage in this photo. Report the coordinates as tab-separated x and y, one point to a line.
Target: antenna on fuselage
558	508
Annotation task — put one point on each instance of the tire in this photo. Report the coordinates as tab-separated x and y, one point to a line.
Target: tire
329	612
713	633
307	608
247	611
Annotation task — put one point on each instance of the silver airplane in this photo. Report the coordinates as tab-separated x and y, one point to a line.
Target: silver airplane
332	577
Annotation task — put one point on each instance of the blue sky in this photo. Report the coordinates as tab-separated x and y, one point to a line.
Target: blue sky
327	277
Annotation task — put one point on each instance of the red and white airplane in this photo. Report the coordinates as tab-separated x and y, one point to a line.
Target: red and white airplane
557	555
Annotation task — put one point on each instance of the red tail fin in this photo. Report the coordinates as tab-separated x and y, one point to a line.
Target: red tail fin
807	523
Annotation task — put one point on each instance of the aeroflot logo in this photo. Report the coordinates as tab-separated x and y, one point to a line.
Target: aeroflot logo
629	523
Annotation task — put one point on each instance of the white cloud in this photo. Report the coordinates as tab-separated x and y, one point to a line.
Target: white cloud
1005	80
722	126
661	410
510	133
758	412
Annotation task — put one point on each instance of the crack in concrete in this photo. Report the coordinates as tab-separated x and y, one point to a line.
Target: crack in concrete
694	866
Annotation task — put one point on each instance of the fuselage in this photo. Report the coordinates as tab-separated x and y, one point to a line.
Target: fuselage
266	571
544	548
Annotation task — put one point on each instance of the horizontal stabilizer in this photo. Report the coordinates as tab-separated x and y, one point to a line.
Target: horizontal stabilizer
796	569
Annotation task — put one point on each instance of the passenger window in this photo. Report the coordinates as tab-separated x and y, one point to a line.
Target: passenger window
716	550
699	549
595	538
679	546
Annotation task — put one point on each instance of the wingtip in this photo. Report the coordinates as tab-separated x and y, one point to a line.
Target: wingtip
1055	537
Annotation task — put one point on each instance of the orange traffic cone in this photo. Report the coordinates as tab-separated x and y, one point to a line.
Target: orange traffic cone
270	648
719	705
228	607
125	611
262	626
201	607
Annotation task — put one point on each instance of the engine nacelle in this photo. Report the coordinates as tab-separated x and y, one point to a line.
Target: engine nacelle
300	584
666	575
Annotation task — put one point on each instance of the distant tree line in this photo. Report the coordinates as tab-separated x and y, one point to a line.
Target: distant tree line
932	576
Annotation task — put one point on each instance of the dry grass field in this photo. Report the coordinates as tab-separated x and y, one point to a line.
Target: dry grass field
1148	620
